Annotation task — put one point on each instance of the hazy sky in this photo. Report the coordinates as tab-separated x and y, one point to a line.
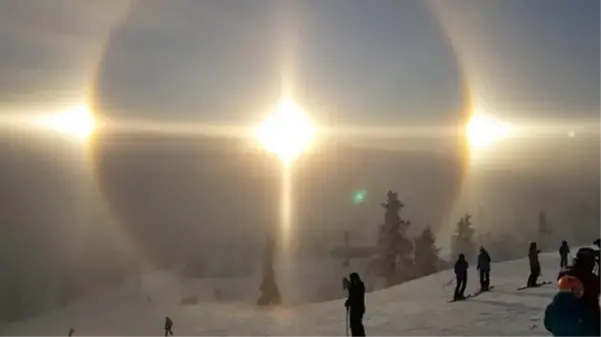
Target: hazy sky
354	61
225	60
542	55
385	62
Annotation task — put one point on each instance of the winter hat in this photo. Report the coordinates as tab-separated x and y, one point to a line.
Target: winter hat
570	284
586	255
585	252
355	277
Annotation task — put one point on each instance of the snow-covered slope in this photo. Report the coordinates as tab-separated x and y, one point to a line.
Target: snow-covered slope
418	307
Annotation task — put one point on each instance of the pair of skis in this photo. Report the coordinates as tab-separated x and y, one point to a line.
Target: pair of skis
492	287
471	295
535	286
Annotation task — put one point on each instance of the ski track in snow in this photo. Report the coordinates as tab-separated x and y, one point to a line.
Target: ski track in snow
417	307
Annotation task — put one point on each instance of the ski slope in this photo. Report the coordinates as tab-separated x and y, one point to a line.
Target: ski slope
419	307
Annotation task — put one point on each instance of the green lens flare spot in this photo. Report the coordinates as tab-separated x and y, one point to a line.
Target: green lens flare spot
359	197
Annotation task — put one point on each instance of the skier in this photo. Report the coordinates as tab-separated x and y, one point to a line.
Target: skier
355	304
534	265
567	315
460	269
168	326
582	269
484	269
564	251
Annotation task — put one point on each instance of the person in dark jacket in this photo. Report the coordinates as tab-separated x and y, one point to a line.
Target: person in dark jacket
484	269
534	265
168	326
564	251
566	315
460	269
582	269
355	304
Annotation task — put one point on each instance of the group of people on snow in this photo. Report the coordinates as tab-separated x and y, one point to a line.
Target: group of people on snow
483	267
461	267
574	310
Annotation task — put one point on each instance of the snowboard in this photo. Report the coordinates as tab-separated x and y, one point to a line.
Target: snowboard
535	286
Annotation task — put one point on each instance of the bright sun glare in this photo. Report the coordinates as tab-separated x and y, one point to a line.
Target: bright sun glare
483	130
288	132
76	122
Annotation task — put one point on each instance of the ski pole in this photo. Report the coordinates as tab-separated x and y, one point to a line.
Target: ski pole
346	319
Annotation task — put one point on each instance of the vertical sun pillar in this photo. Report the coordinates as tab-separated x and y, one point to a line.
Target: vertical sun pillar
287	133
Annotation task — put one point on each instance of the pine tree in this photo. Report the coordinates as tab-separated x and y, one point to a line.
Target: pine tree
395	248
463	240
270	293
426	253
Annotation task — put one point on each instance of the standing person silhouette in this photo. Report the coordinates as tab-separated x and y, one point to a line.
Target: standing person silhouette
484	269
564	251
168	326
355	304
533	252
460	269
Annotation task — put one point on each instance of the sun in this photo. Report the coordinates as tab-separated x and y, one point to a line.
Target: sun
288	132
483	130
76	122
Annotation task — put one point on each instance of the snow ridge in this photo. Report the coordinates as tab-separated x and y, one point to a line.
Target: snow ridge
418	307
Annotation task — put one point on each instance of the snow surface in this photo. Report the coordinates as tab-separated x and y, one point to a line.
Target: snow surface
414	308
